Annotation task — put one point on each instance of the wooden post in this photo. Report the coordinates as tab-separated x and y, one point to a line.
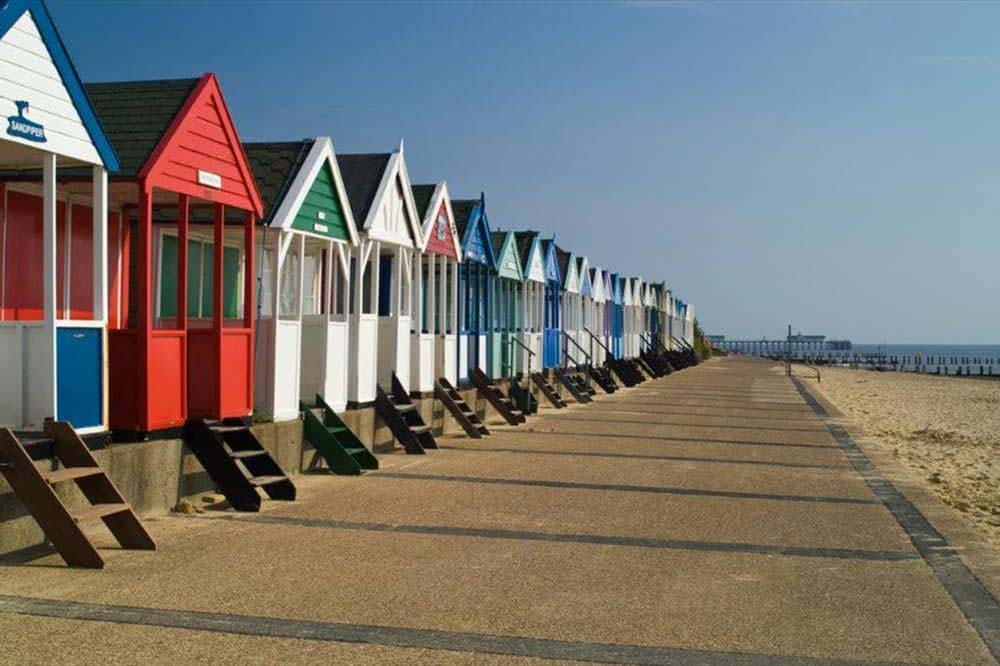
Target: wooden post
183	219
249	280
218	311
100	250
49	282
145	324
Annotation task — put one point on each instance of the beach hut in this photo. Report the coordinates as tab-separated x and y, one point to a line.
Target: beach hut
529	246
435	328
304	257
628	324
475	285
585	313
381	302
617	315
635	318
552	325
595	334
54	233
508	318
181	343
569	306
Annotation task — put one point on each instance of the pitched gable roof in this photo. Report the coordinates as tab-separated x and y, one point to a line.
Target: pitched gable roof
524	240
274	166
362	174
136	115
562	256
462	208
32	20
422	195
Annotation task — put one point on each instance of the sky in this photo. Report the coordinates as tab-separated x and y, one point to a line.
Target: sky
834	166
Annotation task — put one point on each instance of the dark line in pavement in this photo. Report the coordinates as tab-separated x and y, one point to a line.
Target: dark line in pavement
574	417
686	440
977	603
656	490
400	637
591	539
640	456
701	412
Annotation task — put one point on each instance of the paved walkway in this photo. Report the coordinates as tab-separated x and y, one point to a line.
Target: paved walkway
716	516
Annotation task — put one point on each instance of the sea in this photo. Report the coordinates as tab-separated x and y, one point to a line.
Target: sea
976	360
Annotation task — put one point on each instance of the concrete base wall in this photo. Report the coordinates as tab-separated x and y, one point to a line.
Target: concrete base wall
155	475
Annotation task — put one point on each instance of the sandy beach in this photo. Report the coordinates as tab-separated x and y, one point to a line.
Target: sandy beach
946	430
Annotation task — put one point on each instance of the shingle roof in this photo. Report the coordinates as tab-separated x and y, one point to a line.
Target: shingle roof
562	256
462	208
274	167
362	173
524	239
498	238
422	197
135	114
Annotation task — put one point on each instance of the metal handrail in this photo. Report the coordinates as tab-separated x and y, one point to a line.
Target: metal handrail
594	337
589	364
524	346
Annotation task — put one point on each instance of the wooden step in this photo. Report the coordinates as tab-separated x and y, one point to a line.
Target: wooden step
420	429
402	409
250	453
98	511
70	473
260	481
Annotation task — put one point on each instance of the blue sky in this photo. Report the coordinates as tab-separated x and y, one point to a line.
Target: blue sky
833	165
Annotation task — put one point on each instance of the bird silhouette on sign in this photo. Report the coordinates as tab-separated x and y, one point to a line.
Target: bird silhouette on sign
23	128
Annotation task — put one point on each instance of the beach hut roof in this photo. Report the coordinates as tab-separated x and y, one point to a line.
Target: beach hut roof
136	115
81	137
422	195
362	173
274	165
302	188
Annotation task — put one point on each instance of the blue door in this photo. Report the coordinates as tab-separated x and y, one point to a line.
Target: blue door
79	391
550	334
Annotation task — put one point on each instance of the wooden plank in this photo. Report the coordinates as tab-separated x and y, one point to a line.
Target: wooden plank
70	473
44	505
96	511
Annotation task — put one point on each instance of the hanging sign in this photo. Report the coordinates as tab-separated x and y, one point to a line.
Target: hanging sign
23	128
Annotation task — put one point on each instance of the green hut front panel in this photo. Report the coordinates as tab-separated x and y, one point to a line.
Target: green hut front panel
321	212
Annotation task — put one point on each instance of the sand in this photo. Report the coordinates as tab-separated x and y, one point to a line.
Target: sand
944	429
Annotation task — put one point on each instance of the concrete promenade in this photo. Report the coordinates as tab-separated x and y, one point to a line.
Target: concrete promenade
721	515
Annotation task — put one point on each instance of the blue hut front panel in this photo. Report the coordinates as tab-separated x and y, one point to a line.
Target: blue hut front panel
475	285
618	322
80	392
551	343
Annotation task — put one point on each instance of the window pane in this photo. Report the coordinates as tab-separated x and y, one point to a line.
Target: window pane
168	277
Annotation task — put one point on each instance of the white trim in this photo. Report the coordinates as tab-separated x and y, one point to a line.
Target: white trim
321	153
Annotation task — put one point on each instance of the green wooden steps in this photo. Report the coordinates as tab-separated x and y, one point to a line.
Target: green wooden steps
333	440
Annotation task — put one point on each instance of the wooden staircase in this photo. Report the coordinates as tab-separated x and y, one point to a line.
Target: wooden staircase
602	377
548	390
403	418
489	390
237	462
61	525
628	375
521	396
459	409
333	440
570	380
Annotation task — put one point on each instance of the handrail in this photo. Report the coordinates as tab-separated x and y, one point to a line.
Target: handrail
594	337
577	345
523	346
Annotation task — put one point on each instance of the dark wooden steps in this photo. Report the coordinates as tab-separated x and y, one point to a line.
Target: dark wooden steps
460	410
489	390
403	418
548	390
237	462
61	525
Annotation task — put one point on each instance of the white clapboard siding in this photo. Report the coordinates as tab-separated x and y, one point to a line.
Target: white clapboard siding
27	73
536	271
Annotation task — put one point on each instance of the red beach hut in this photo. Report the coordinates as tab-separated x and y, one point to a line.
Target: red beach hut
183	346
